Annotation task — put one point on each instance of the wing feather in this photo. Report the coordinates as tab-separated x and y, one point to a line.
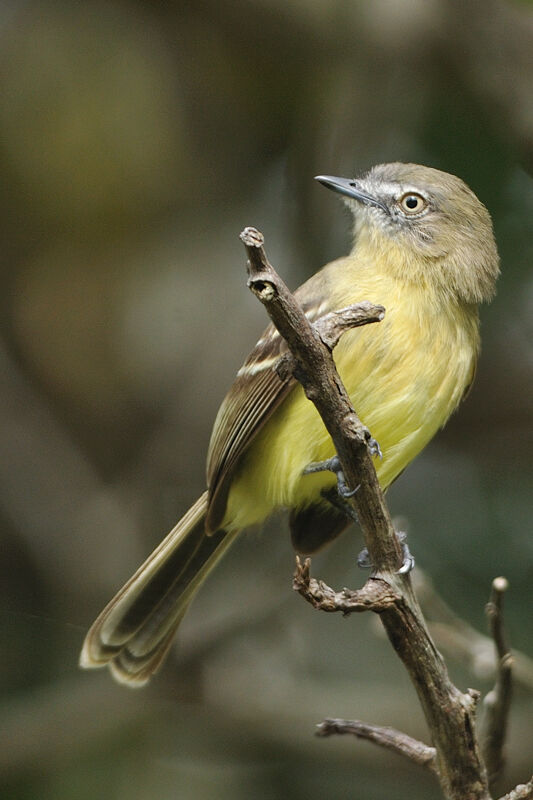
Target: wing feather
254	396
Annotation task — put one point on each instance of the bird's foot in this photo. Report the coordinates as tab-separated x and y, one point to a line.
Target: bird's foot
363	559
408	560
332	465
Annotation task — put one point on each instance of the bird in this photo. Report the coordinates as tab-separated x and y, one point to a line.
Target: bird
424	248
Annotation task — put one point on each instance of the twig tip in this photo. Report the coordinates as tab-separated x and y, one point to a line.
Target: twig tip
500	584
251	237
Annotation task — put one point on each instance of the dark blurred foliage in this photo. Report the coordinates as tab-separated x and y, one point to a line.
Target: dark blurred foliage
136	140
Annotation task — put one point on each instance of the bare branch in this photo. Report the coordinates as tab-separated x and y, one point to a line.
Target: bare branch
316	372
56	509
524	791
376	594
450	714
389	738
331	326
497	702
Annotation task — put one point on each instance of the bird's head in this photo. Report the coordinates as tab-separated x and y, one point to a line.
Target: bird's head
425	224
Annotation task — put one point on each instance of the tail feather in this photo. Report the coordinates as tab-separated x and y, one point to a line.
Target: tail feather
136	671
135	630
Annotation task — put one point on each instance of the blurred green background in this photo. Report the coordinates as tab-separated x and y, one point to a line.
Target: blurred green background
136	140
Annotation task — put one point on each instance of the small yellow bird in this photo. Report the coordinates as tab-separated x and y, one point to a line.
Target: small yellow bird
423	248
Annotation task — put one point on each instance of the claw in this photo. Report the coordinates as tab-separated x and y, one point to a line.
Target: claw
408	558
363	559
332	465
343	488
373	445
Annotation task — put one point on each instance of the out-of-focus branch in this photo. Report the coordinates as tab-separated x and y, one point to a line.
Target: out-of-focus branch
63	498
497	702
462	641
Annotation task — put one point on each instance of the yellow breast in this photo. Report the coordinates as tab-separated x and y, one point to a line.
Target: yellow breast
405	376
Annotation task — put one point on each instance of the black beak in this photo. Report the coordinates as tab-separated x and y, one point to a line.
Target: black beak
348	187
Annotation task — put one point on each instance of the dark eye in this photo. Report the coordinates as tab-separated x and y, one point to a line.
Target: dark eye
412	203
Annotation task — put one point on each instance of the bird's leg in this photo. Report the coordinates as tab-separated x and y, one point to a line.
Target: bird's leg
339	500
340	503
332	465
408	560
363	559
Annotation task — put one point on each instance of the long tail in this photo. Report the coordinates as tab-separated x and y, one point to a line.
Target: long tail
134	632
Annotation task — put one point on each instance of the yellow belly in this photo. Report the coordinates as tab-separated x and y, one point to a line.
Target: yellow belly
405	376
